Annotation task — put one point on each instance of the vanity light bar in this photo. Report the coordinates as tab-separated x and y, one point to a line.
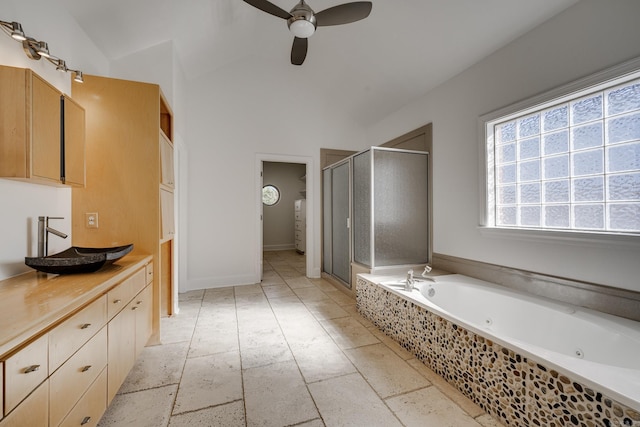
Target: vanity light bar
35	49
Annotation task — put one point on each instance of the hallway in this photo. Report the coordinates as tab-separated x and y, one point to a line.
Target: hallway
289	351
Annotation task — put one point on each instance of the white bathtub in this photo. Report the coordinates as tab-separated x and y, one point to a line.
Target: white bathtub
600	349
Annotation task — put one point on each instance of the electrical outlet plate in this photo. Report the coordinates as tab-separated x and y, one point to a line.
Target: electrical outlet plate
91	219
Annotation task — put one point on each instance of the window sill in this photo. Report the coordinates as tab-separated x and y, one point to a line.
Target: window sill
602	240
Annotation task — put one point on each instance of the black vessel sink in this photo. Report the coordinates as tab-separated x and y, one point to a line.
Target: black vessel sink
78	260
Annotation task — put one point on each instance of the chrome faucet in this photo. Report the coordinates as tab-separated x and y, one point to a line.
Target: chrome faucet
408	284
43	234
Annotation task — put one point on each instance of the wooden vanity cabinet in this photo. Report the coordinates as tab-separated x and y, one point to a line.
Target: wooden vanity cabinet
32	146
67	370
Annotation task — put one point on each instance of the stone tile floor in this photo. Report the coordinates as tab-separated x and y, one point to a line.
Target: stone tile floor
288	351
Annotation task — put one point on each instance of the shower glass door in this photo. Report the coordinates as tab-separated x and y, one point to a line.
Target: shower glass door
340	256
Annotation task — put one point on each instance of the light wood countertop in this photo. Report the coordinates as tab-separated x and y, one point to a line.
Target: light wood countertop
32	303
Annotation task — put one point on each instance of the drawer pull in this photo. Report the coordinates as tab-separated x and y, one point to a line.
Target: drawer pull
85	325
117	301
135	307
85	420
86	368
138	302
32	368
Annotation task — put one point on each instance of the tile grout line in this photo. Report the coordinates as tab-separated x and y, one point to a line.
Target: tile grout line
306	384
244	397
343	353
186	357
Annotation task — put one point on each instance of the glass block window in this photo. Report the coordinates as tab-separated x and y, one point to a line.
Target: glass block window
569	164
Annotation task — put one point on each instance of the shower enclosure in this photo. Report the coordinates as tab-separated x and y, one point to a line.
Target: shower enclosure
376	212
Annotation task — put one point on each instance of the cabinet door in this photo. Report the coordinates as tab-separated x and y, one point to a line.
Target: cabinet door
166	212
45	128
74	135
144	318
166	161
120	349
14	131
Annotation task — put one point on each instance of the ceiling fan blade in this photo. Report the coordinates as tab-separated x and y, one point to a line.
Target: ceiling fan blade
299	50
269	7
343	13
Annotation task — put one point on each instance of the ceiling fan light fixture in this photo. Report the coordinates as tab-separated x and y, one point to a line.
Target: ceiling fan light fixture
302	28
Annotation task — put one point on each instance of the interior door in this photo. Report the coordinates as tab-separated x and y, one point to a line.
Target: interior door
261	213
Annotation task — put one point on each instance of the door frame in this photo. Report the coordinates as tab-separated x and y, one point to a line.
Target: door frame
310	251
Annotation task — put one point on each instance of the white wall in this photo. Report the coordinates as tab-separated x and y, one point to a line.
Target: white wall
22	203
232	115
279	219
588	37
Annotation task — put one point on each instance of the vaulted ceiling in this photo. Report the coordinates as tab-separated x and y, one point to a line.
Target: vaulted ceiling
402	50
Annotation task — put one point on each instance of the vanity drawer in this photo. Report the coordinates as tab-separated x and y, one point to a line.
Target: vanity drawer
24	371
71	334
34	411
91	406
119	297
75	376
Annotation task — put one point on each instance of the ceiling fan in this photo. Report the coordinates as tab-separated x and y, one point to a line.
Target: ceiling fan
302	20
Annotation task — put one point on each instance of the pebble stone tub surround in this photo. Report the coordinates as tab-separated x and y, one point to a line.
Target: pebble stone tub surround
519	390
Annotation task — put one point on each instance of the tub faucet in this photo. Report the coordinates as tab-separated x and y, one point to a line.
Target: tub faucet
408	285
43	234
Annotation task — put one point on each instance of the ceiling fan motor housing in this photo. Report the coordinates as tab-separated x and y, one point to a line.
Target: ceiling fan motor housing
303	21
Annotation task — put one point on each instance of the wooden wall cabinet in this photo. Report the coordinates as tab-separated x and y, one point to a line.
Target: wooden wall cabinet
129	160
32	146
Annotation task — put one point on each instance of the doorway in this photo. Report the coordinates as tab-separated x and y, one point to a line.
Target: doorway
305	188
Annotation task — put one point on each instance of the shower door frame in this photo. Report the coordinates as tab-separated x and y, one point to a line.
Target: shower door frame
335	165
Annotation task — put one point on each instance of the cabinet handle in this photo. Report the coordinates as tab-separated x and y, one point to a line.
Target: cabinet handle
135	307
139	302
86	368
32	368
85	325
117	301
85	420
